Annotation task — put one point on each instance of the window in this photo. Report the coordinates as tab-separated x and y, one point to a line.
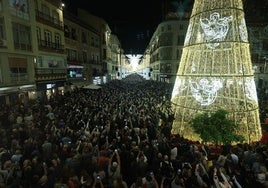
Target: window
165	39
97	58
103	39
92	41
104	54
40	62
38	34
58	41
265	45
1	76
178	53
66	31
166	53
84	56
56	17
45	11
36	4
18	69
83	37
2	34
19	8
169	27
21	37
181	26
48	39
1	5
180	40
255	58
97	43
71	55
73	34
256	46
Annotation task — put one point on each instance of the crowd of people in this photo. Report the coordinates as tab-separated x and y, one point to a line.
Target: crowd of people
118	136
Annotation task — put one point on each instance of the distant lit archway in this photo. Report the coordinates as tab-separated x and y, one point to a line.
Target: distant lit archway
134	61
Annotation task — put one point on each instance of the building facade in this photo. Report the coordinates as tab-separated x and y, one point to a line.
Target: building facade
83	44
17	51
165	48
40	56
50	60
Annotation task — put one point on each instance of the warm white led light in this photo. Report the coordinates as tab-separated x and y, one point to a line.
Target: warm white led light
215	29
134	60
205	90
215	70
243	31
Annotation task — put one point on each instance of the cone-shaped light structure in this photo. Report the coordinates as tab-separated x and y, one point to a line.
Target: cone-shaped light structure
215	70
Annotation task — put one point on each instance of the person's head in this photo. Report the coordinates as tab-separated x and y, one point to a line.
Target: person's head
114	166
186	172
142	157
26	163
166	157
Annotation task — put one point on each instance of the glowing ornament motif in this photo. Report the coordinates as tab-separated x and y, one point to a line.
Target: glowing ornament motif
250	89
205	91
215	29
243	31
193	68
134	60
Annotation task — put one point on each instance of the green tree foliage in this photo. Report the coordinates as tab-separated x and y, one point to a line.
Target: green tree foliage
216	128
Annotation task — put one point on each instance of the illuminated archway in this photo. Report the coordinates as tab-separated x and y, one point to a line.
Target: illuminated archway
134	61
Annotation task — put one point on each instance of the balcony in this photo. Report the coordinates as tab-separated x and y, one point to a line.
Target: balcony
48	20
22	46
50	74
19	77
74	61
94	62
50	46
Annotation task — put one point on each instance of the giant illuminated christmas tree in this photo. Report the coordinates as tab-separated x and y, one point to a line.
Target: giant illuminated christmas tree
215	70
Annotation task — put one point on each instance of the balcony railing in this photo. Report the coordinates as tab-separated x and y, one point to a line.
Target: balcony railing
95	62
18	77
50	46
22	46
49	20
50	71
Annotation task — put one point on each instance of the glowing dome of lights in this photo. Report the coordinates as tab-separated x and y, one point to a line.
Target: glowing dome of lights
215	70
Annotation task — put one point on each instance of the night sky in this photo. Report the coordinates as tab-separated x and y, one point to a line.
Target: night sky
135	21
